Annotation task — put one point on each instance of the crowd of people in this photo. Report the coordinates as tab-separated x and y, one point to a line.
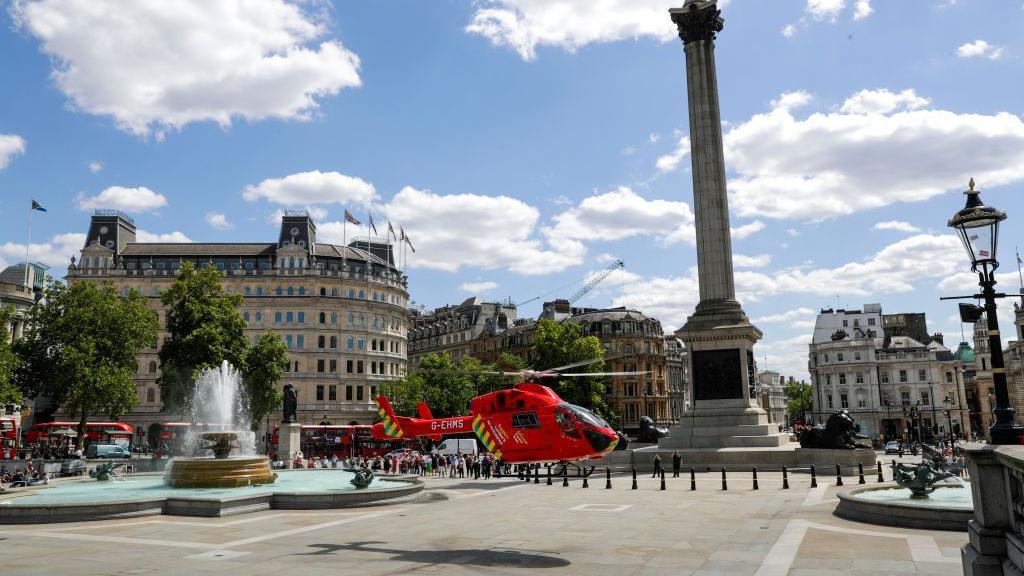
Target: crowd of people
19	477
409	462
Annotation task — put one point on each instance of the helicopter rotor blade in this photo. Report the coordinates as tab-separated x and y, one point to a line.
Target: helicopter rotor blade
575	364
581	374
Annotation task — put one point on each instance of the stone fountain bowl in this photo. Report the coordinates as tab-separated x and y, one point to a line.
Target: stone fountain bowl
220	472
223	442
948	508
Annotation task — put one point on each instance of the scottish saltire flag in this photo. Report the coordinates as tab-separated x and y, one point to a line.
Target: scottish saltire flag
37	206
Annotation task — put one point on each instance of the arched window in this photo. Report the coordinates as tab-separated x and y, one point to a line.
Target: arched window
362	295
302	290
245	316
291	291
334	341
320	342
150	395
279	291
152	366
351	293
334	292
323	291
323	318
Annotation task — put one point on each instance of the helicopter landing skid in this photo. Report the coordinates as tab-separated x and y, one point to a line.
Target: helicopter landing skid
572	470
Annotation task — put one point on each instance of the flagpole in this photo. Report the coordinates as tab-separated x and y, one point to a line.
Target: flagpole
1019	276
28	245
344	245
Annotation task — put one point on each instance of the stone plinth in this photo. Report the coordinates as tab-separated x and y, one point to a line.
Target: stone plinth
289	437
997	489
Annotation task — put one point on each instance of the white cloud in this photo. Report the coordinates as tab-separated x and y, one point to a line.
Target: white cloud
653	137
789	31
623	213
787	316
10	146
883	102
825	9
55	253
980	49
138	199
604	258
175	237
670	161
742	261
95	167
478	287
748	229
827	165
154	66
897	225
219	221
523	25
792	100
314	187
489	232
862	9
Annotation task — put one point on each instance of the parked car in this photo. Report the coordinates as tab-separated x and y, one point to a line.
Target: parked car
107	451
892	447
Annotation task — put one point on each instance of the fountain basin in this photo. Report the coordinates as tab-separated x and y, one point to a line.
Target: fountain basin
147	494
232	472
949	507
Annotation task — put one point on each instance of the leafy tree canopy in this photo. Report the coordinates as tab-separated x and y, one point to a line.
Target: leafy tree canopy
205	329
264	364
800	399
80	348
561	343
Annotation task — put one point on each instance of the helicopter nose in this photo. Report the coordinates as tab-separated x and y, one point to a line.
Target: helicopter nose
599	440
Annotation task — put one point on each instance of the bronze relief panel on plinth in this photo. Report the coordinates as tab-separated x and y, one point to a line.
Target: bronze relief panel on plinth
717	374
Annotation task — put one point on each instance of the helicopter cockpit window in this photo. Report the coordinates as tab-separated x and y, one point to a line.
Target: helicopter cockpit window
585	416
566	423
525	420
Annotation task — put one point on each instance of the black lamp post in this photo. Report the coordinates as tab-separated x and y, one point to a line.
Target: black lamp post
888	418
978	227
325	423
948	403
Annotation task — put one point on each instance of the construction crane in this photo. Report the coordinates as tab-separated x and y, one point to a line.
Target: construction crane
596	280
585	288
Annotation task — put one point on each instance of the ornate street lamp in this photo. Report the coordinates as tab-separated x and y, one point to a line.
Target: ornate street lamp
948	403
978	227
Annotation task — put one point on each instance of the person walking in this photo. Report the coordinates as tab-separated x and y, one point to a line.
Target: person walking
677	462
657	465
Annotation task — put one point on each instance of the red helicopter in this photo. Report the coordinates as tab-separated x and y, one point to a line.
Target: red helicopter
526	424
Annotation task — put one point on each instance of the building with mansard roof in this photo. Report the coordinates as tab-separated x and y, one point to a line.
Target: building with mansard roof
341	310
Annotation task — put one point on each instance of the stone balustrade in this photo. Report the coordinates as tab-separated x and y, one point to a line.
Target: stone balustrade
996	546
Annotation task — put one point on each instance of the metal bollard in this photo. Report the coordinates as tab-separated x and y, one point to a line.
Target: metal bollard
519	472
839	475
565	477
662	478
754	469
860	472
585	484
814	477
693	479
607	478
536	474
634	478
725	486
549	475
785	478
880	478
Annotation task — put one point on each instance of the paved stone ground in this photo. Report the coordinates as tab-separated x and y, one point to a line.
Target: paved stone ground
508	527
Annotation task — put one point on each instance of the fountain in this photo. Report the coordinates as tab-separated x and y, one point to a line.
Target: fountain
922	497
216	400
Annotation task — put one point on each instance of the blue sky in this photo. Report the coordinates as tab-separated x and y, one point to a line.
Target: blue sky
524	143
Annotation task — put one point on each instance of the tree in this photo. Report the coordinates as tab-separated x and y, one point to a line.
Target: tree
561	343
264	364
9	392
80	348
800	400
445	386
205	329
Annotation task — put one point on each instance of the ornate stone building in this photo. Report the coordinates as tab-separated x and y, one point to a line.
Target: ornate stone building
16	294
677	369
340	310
452	330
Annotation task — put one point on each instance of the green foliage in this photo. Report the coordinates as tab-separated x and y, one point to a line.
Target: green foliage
445	386
205	329
9	361
800	399
80	348
264	364
561	343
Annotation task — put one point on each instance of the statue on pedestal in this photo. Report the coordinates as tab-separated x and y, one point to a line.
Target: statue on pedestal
291	402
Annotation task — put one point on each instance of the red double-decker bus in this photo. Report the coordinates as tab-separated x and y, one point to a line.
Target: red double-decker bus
8	438
106	432
343	441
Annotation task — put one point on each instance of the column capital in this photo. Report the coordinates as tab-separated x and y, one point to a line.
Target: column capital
697	20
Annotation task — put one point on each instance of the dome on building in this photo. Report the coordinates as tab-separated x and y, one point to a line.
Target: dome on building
964	354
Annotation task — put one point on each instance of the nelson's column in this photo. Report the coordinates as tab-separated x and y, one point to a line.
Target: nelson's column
718	335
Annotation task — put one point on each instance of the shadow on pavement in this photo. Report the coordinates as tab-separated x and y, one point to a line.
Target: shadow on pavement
483	557
485	485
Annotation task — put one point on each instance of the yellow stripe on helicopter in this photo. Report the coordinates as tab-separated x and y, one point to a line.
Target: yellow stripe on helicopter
485	437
